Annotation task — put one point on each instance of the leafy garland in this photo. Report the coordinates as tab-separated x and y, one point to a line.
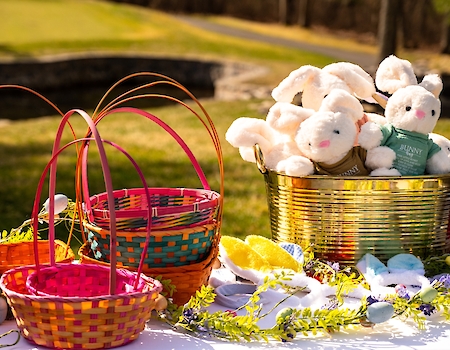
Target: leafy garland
195	318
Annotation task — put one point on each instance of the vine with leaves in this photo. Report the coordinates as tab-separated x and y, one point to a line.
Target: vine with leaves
241	324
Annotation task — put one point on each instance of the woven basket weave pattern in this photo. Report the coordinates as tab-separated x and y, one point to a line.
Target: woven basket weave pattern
77	280
77	322
166	248
171	207
22	253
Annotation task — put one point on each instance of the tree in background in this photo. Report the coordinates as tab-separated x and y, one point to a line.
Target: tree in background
303	13
387	29
443	7
282	11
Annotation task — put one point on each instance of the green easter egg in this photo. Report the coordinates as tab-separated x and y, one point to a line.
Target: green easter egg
380	312
428	294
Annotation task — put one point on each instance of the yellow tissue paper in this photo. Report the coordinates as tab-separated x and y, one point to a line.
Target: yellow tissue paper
277	257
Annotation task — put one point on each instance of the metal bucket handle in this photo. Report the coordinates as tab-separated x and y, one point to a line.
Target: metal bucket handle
259	156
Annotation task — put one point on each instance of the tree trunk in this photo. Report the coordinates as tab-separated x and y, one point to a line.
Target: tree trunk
387	29
444	45
282	11
303	13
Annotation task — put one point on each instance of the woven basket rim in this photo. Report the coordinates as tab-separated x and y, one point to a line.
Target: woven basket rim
155	233
208	199
54	298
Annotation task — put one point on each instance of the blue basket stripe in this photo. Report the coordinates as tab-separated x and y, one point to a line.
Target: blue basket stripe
169	251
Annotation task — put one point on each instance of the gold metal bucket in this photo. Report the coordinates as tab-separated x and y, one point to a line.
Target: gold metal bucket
343	218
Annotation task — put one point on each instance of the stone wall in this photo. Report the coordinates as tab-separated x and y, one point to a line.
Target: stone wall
79	81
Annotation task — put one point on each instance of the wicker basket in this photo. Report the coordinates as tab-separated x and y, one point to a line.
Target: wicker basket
184	224
67	305
14	255
180	251
94	322
170	207
343	218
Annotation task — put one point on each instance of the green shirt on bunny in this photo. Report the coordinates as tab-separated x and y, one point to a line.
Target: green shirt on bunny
412	149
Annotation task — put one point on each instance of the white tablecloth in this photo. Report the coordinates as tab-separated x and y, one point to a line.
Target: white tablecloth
395	334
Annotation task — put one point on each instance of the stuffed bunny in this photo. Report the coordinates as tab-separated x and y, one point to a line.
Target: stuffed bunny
315	83
436	164
327	139
274	135
412	113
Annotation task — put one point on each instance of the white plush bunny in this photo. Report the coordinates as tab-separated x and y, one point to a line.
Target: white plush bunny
315	83
412	113
437	164
274	135
327	138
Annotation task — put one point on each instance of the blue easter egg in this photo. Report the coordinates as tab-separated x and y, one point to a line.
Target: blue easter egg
380	312
294	249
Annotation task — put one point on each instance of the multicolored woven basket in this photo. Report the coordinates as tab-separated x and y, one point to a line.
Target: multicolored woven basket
18	254
77	322
170	207
184	221
71	305
185	225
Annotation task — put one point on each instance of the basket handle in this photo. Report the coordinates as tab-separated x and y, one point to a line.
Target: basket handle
52	165
161	79
162	124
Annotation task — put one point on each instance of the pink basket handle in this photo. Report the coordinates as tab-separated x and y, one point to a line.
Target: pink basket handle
163	125
52	165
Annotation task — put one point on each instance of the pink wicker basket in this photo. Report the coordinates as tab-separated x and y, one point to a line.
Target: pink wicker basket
78	305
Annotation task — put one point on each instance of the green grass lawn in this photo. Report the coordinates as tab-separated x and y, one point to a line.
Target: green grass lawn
35	28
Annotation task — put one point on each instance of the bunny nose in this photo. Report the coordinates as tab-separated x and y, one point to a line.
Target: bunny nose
420	114
324	144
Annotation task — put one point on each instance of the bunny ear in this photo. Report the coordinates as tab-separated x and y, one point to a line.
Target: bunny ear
370	266
357	79
394	73
342	101
433	83
294	83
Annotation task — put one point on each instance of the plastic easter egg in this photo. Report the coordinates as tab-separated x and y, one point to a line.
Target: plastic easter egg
61	202
294	249
428	294
380	312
